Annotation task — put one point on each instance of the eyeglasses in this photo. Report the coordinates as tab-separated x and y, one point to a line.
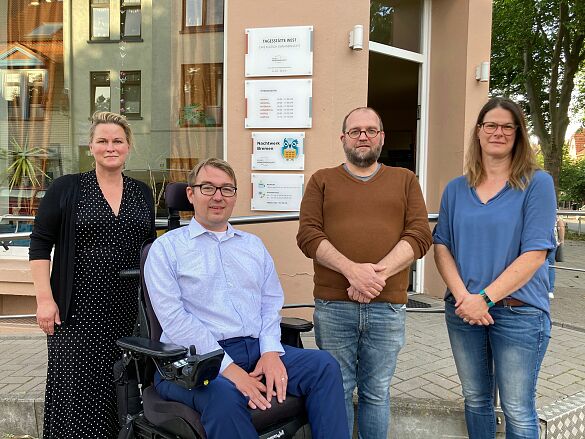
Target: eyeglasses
370	133
491	127
210	190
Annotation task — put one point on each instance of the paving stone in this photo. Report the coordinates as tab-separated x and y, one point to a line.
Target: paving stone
565	379
441	392
413	383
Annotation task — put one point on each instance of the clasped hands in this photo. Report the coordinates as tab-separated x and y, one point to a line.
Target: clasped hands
259	395
473	310
366	281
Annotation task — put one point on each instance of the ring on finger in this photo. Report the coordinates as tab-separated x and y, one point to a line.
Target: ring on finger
465	320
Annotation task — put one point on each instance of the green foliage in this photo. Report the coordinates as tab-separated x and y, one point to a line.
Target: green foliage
23	163
538	47
572	181
192	115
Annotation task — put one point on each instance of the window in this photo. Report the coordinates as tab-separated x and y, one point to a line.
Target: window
202	95
25	93
100	19
100	91
130	94
45	30
130	19
202	15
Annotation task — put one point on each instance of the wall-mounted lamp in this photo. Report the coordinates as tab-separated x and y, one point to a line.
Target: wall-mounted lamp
482	72
356	37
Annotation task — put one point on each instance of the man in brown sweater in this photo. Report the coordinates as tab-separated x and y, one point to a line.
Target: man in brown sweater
363	224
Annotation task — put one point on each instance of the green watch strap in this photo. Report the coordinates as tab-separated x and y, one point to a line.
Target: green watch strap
486	298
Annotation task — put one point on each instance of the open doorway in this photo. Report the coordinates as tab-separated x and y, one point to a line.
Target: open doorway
393	85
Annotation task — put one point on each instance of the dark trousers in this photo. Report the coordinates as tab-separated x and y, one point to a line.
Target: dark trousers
224	409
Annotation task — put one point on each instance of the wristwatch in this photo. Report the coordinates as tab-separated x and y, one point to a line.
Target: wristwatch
486	298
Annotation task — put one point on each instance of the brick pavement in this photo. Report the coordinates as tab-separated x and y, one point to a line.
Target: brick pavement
425	372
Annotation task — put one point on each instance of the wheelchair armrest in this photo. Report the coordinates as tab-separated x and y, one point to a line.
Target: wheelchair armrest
291	328
295	324
151	348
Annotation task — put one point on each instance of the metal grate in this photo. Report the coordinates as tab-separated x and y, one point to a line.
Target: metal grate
417	304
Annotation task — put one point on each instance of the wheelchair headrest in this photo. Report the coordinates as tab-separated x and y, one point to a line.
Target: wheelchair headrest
176	197
154	328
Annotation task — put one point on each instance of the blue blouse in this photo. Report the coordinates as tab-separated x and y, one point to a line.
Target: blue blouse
485	239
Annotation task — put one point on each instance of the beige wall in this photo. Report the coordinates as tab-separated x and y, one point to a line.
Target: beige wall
339	84
460	40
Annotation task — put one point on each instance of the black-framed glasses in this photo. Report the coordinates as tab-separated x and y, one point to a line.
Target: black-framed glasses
370	133
210	190
491	127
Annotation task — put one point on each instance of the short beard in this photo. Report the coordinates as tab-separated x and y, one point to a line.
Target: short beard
365	160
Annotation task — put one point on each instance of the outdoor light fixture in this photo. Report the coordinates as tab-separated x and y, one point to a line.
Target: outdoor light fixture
356	37
34	3
482	72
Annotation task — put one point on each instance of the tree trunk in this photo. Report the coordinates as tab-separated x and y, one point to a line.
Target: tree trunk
552	161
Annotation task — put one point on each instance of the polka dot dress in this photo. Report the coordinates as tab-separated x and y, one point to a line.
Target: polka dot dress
80	400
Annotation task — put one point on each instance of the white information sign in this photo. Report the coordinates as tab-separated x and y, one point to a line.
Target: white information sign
278	151
279	103
279	51
279	192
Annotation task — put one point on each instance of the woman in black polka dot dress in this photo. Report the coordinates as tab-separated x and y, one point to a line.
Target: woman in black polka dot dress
96	221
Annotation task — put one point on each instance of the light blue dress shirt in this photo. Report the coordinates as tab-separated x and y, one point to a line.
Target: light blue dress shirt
204	289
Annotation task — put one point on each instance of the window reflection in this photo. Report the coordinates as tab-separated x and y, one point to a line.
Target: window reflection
130	19
162	67
202	95
100	19
130	94
396	23
100	92
202	15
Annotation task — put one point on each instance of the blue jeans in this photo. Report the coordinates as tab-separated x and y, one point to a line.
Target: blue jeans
551	271
224	409
365	339
512	350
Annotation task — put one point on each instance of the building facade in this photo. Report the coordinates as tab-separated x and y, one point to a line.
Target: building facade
177	70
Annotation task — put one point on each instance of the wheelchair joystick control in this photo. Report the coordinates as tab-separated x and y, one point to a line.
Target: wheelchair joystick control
196	370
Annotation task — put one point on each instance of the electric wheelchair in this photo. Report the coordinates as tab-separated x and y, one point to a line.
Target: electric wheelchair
142	413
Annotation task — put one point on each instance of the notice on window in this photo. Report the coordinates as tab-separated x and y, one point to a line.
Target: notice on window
279	103
279	51
278	151
277	192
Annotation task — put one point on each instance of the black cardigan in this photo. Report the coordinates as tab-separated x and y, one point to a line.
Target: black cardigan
55	226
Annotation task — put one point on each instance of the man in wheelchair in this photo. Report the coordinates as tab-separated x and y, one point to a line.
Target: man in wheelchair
216	287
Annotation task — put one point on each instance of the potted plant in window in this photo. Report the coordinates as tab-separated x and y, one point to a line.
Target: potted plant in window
192	115
23	170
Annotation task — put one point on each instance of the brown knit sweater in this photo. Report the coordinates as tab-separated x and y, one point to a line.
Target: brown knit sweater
363	220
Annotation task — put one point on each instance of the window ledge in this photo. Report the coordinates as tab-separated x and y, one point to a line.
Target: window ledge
102	41
132	40
133	117
200	29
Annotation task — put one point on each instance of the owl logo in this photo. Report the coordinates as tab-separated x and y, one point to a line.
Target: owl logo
290	148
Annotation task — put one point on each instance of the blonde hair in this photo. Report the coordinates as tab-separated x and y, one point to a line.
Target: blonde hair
100	117
220	164
523	163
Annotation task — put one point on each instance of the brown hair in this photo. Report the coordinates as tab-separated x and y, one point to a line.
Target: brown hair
343	125
220	164
100	117
523	158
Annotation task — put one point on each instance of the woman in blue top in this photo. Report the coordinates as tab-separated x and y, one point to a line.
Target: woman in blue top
494	231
